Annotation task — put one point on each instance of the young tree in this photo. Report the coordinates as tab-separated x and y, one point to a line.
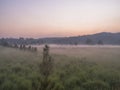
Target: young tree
46	68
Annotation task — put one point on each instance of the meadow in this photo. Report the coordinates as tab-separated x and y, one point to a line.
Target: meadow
75	68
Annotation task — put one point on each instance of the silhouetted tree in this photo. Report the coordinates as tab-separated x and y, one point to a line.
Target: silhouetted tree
34	49
21	40
46	67
15	45
89	41
100	42
29	47
21	46
4	42
24	47
75	43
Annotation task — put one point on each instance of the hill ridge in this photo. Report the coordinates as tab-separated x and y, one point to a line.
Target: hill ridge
108	38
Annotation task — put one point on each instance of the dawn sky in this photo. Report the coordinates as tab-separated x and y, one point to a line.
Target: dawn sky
54	18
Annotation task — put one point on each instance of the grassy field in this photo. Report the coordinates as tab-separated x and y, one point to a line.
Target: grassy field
75	68
100	54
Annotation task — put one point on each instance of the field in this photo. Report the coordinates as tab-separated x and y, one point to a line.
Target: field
75	68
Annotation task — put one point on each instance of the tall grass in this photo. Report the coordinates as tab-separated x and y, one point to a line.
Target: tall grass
76	68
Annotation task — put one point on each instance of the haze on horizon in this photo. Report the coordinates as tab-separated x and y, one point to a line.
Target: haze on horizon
54	18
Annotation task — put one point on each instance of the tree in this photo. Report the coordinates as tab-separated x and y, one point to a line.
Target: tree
21	46
100	42
29	47
15	45
46	68
89	41
34	49
4	42
75	43
24	47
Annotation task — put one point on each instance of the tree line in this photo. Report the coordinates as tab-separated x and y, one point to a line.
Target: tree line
24	47
66	41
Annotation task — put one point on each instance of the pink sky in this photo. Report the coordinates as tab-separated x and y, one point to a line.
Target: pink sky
56	18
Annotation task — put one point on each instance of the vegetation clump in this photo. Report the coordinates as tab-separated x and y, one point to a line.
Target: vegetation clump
46	68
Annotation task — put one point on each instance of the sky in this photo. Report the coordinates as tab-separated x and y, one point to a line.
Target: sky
58	18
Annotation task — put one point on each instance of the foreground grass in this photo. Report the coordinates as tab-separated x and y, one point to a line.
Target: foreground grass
74	69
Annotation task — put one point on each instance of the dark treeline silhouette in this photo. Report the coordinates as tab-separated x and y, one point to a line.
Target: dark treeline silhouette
89	42
94	39
5	43
28	48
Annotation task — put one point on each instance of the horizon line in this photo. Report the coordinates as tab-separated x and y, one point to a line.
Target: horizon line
58	36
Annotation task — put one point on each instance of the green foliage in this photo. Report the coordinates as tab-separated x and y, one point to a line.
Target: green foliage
96	85
20	71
